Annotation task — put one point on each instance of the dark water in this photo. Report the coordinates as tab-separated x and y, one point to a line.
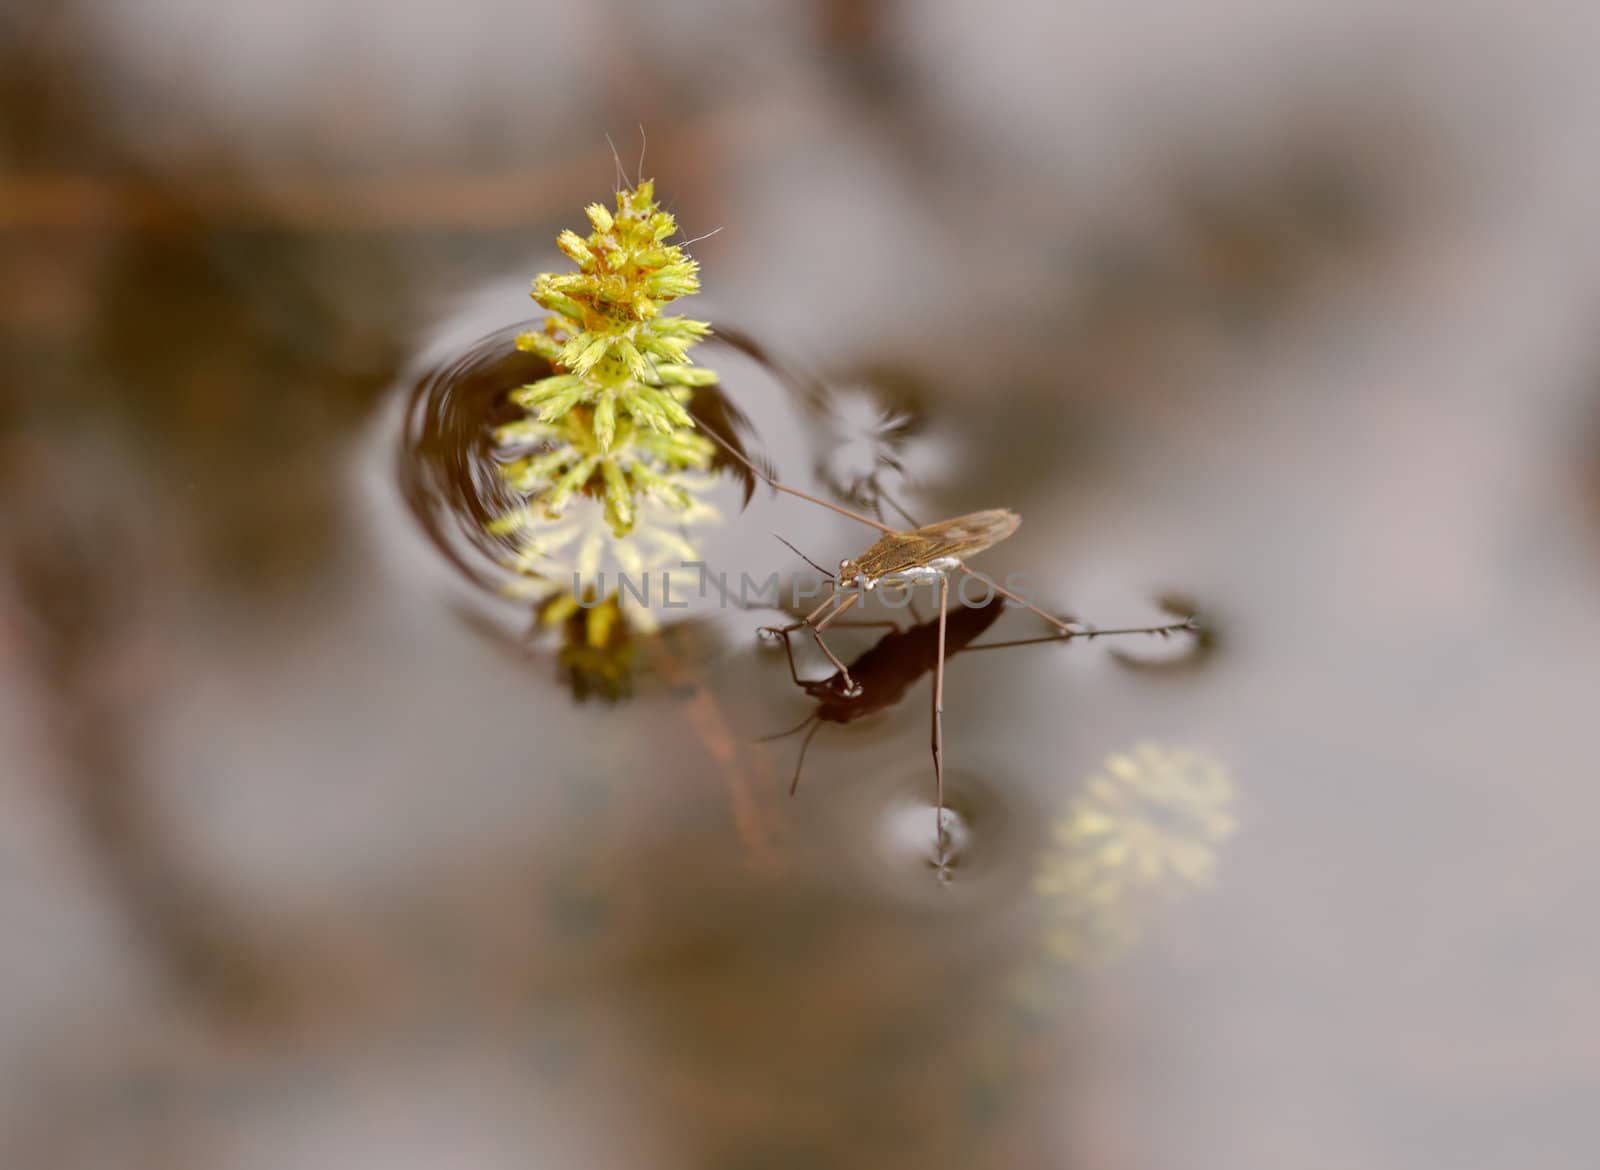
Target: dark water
317	848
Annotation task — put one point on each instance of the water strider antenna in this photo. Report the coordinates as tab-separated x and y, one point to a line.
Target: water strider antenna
805	558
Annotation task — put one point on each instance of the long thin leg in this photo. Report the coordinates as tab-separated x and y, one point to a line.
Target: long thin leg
788	646
782	633
788	653
849	600
1061	624
775	485
831	599
850	687
810	619
729	599
938	723
1186	625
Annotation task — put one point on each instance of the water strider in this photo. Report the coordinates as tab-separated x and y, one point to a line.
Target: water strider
923	555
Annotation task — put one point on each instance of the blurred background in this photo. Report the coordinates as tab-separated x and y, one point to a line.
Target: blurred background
309	857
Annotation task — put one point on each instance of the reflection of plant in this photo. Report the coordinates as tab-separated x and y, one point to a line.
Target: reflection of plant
563	558
596	656
1147	826
1149	823
577	555
610	419
866	444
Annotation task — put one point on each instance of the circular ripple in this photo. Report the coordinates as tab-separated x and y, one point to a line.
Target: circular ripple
982	854
449	476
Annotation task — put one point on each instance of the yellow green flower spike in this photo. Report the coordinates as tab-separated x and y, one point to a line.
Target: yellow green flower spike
609	426
610	420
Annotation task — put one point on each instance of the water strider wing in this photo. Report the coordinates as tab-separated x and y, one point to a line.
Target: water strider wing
959	537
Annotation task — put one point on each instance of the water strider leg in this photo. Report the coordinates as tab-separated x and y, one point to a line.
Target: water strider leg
788	647
809	621
788	653
938	724
1062	624
1187	625
796	492
783	631
850	687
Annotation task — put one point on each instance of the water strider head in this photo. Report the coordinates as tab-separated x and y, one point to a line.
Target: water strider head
851	576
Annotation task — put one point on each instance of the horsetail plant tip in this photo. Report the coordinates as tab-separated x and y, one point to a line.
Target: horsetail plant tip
609	423
610	419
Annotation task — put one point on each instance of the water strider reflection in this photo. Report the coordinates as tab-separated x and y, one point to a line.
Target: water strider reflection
885	671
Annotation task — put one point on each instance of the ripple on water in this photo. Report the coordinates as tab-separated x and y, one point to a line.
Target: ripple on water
448	473
888	823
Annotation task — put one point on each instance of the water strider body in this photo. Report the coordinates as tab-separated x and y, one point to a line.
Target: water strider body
920	556
926	554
